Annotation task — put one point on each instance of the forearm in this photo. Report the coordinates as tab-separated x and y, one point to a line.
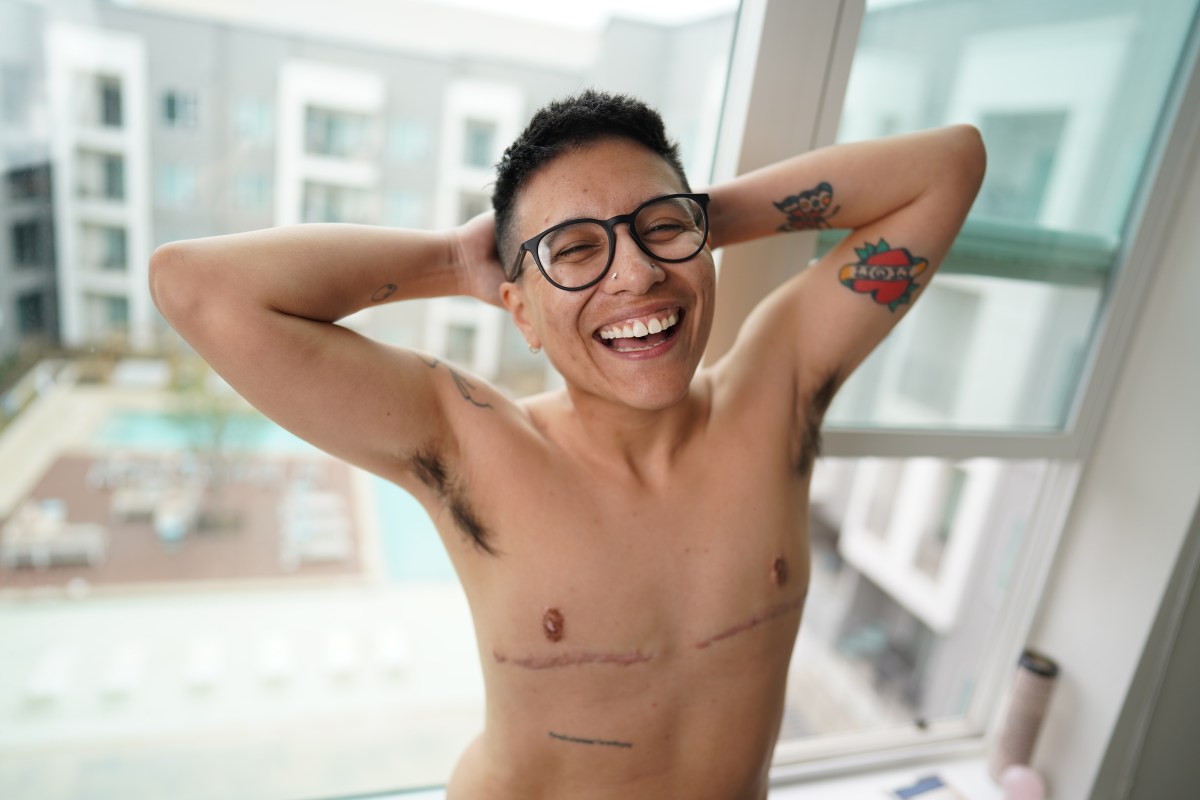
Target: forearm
320	272
848	186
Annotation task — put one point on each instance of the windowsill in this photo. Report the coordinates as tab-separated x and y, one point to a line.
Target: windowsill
968	776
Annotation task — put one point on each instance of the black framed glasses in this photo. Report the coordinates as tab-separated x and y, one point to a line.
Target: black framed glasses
576	254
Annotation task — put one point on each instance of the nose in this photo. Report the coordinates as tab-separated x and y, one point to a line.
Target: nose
632	270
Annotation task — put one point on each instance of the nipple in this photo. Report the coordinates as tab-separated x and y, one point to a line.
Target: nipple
552	624
779	572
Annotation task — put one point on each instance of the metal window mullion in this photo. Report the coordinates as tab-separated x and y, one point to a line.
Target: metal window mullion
787	79
894	443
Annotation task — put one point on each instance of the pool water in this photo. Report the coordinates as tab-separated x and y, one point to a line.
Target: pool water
151	430
409	543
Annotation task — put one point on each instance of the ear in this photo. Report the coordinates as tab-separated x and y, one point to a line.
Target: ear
523	312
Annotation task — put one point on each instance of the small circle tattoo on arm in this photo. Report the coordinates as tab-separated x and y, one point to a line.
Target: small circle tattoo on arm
383	292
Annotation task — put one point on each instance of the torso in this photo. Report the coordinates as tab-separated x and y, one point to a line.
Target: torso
634	635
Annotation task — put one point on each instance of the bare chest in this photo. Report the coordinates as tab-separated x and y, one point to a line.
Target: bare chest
588	575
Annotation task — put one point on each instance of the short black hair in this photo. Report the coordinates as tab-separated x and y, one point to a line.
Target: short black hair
569	124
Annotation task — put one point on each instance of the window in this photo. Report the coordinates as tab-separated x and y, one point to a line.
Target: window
31	316
330	203
351	599
176	184
29	183
104	247
30	243
340	134
253	120
110	102
479	143
101	175
975	414
178	109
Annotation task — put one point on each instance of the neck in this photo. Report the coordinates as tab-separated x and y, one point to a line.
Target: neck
642	442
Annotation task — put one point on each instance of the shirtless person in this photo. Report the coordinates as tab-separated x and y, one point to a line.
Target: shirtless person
634	547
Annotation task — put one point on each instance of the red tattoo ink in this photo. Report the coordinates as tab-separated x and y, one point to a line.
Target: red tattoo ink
552	624
779	572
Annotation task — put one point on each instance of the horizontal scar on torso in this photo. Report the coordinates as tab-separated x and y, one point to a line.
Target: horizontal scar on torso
574	659
774	612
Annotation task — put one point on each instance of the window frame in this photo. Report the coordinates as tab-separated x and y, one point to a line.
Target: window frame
789	71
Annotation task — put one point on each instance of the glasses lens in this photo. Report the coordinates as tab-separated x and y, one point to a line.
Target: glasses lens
672	228
574	255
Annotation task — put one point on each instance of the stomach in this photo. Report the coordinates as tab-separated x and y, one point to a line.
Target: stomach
691	721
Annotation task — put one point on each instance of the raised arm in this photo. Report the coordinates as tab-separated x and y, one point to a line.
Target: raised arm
903	198
261	308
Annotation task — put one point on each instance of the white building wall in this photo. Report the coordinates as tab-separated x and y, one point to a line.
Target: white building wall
466	101
75	59
310	84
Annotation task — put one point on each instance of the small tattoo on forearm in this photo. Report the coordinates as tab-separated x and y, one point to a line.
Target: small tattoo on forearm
888	274
581	740
383	292
808	210
465	387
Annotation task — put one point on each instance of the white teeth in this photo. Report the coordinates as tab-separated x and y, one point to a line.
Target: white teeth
639	328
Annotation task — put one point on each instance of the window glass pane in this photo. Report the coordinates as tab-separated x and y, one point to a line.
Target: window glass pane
1067	96
220	599
911	559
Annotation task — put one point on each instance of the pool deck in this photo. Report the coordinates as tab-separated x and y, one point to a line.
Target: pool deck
49	453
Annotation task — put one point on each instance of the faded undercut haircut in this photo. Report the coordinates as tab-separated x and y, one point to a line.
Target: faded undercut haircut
570	124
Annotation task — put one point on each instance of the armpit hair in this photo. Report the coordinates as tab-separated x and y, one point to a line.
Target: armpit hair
814	407
430	469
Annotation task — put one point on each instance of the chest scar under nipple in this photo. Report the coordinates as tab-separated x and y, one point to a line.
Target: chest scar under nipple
769	614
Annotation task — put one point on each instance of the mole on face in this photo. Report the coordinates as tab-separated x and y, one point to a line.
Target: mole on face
779	572
552	624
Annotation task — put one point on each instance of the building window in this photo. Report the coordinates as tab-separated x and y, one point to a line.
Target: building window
253	120
328	203
479	143
340	134
176	184
31	313
101	175
110	101
30	243
179	109
104	247
408	141
252	191
29	183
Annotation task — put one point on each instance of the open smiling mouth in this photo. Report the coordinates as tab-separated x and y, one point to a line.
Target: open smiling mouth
643	333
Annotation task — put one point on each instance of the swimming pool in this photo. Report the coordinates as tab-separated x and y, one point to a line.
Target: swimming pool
409	544
162	430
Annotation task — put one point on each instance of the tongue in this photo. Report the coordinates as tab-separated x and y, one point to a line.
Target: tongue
643	343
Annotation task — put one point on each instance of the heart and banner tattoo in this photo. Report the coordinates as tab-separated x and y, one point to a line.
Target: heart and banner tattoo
888	274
